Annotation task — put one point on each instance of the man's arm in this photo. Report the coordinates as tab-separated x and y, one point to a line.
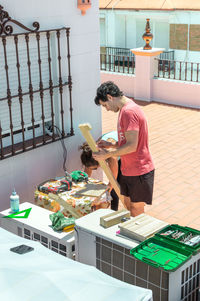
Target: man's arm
129	147
107	144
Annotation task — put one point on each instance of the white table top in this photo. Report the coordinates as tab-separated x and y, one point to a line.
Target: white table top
38	219
91	224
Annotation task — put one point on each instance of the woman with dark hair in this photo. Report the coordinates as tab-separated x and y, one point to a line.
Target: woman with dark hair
91	164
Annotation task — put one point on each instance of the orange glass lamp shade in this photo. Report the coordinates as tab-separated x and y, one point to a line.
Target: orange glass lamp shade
83	5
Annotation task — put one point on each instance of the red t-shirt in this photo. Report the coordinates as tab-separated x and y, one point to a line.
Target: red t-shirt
132	118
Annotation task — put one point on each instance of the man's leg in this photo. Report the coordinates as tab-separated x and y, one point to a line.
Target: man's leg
127	202
136	208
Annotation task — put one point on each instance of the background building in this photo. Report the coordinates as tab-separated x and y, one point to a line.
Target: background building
175	25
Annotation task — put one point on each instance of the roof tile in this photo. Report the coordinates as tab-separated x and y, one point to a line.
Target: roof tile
150	5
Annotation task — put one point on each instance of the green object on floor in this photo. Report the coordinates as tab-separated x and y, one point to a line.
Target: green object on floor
59	221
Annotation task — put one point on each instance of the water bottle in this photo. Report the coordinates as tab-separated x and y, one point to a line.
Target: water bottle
14	202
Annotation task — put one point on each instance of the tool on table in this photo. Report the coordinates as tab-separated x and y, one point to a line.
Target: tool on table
85	130
192	241
55	185
169	232
175	234
79	176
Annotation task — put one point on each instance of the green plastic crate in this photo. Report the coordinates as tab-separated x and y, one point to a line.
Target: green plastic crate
194	249
161	253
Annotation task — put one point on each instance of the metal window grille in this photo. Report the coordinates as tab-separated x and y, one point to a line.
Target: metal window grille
35	86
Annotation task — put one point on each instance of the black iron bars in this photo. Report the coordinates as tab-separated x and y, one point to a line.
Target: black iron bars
41	86
60	84
69	81
8	94
30	88
50	85
20	89
39	46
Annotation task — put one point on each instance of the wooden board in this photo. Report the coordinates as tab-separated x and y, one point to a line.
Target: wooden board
94	190
113	218
62	202
141	227
85	130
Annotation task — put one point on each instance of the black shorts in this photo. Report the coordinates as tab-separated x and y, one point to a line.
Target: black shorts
138	188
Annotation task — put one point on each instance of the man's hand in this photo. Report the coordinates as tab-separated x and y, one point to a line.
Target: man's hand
104	144
101	155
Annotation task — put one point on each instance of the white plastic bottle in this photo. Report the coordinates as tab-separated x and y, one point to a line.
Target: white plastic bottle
14	202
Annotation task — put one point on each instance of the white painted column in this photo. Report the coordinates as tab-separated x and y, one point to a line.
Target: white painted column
110	29
144	71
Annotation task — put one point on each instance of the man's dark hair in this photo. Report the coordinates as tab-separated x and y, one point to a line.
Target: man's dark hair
107	88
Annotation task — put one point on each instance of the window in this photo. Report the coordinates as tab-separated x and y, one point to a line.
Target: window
35	88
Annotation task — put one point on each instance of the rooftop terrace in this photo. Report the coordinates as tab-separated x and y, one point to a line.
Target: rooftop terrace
174	136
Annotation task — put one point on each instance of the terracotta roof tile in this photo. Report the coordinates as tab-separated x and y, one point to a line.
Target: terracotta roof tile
153	4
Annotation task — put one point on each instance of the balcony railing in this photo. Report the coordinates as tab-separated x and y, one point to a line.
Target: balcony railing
178	70
122	60
167	55
116	59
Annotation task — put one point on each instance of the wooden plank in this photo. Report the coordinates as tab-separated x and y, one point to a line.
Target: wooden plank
62	202
113	218
85	130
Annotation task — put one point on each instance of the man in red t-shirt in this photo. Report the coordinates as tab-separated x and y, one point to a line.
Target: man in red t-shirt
137	168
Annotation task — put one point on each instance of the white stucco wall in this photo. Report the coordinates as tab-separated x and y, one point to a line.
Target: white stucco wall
176	92
26	170
125	82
